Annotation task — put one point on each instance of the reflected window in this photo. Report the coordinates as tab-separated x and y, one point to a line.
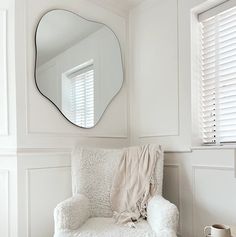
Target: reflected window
81	94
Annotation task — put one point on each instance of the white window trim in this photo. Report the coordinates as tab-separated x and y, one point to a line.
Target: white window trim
79	67
223	6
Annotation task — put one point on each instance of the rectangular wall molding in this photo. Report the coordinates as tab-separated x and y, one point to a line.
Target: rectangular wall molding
3	74
4	203
196	222
173	178
36	208
145	129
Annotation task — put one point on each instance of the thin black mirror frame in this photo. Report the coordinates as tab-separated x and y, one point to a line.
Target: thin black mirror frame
35	65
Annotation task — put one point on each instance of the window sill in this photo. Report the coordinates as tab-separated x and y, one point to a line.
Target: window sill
214	147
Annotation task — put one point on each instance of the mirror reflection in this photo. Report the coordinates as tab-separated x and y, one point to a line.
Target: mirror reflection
78	65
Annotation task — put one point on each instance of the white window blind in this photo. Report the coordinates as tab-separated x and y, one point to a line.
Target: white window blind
82	96
218	73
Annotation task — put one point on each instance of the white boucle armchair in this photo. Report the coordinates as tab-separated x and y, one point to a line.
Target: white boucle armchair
88	213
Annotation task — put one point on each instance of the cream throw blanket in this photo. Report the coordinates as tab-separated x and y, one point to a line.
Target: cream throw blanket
133	183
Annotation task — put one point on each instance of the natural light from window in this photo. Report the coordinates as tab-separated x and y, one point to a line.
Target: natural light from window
80	95
218	74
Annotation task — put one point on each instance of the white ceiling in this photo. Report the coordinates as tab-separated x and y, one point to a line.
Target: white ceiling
123	6
59	30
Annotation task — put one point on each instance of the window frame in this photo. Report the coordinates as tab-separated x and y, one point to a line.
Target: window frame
196	136
67	78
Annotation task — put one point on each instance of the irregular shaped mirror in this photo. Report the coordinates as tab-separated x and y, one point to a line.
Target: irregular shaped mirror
78	65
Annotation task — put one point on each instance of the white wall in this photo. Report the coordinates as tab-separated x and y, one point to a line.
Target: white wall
8	194
8	170
39	174
102	47
200	181
7	79
154	38
202	184
160	75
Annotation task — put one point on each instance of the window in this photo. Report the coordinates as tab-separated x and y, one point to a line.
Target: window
81	95
218	74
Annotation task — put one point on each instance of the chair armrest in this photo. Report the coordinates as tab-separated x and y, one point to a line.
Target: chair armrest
71	213
162	216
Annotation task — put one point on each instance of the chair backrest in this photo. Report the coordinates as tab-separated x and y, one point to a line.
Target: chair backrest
92	175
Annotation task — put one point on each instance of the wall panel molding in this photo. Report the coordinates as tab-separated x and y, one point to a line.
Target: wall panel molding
177	167
166	135
29	176
194	200
5	202
4	123
44	151
29	49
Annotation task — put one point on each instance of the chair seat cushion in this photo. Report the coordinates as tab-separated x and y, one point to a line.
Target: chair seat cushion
105	227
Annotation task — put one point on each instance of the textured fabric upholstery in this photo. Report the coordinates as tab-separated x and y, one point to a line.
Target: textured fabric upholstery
88	213
72	213
105	227
92	173
162	215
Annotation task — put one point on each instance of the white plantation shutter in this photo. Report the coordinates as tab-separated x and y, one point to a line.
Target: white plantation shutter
218	73
82	96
